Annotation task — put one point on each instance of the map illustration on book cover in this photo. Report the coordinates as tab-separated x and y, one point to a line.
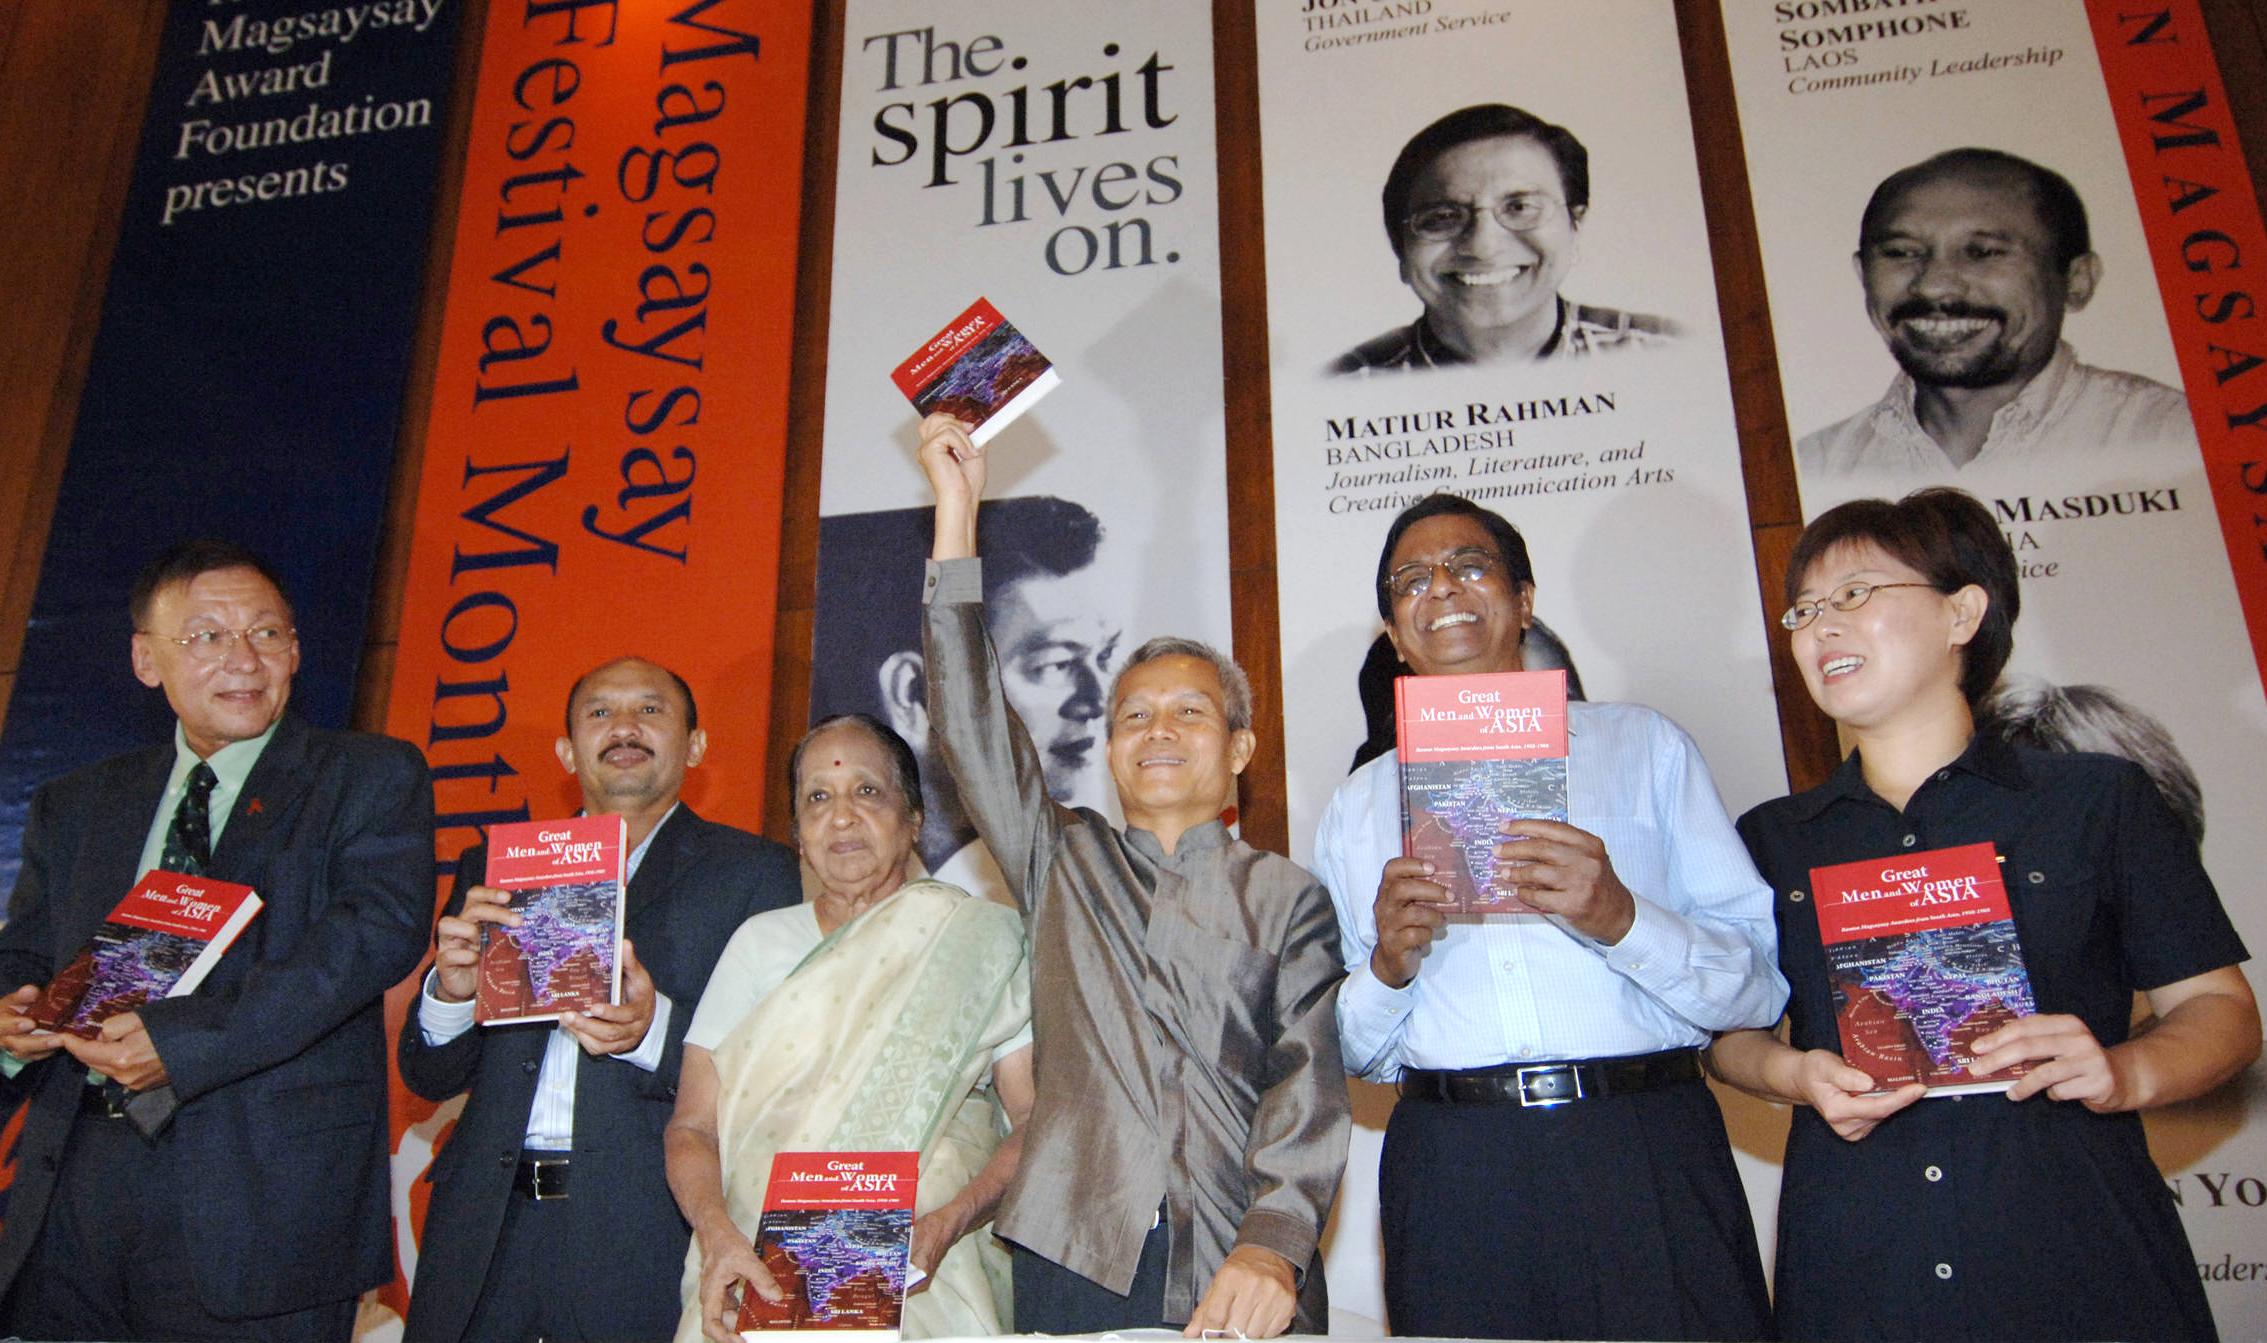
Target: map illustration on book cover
1477	751
837	1235
566	883
979	370
160	942
1922	953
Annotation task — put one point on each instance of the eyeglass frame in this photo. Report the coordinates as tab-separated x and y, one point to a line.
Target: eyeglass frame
203	639
1793	619
1471	214
1487	561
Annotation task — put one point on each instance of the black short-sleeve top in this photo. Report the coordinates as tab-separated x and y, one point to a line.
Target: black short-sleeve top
2108	891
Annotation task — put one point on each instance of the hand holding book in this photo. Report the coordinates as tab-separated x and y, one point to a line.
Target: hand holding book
1411	911
457	941
1562	870
19	1034
2063	1059
956	470
1844	1096
122	1052
616	1028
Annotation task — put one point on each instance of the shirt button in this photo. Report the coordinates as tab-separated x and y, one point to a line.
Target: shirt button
1942	775
2038	878
1911	840
1796	896
1510	968
1944	1272
1933	1174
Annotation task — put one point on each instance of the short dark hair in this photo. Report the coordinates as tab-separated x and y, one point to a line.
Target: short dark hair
2052	196
903	765
184	561
870	567
1949	538
1509	543
692	709
1484	121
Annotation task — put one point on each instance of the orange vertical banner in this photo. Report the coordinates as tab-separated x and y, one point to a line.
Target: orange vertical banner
605	447
2202	217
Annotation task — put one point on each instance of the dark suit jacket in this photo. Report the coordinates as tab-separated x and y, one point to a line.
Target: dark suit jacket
278	1059
698	883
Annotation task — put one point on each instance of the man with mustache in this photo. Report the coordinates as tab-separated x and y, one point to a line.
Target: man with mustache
1970	261
556	1163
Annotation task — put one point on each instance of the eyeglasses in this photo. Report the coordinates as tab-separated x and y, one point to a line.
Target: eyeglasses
1848	597
1468	565
213	645
1521	212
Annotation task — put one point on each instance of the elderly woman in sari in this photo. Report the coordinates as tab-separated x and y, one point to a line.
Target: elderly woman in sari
884	1015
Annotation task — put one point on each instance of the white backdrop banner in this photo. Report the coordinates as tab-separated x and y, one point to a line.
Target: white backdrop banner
1607	437
1057	159
2095	470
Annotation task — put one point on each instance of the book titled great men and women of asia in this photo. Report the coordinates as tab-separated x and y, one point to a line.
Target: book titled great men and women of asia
566	883
837	1235
1921	947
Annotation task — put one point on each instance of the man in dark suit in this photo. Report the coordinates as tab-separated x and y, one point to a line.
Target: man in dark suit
245	1196
551	1214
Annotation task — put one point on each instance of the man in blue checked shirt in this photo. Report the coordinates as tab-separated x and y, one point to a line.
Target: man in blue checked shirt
1556	1167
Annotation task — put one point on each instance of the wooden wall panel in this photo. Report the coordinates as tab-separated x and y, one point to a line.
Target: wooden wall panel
74	77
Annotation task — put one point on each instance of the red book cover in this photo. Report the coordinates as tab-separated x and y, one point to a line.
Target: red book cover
979	369
160	942
1477	751
837	1235
566	883
1922	952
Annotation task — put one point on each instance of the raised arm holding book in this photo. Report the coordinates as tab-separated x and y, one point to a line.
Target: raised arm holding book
1190	1127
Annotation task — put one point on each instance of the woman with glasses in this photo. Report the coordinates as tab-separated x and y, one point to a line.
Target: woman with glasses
2031	1214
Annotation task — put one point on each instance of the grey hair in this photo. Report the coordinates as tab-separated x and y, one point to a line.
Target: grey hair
2027	711
1235	687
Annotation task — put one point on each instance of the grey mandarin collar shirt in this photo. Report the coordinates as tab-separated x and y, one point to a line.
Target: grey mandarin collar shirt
1183	1011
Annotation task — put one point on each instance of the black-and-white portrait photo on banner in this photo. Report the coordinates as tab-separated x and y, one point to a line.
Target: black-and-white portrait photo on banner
1091	223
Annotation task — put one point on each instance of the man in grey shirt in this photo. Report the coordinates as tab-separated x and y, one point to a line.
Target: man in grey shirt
1191	1120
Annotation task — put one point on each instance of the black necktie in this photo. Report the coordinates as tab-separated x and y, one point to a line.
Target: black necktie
188	850
189	840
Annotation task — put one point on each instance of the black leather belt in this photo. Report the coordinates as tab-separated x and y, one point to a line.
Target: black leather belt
1549	1084
542	1178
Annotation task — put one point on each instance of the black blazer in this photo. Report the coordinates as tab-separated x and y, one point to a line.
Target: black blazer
698	883
278	1059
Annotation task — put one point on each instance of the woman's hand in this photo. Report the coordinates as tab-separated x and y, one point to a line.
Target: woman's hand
933	1234
726	1261
1826	1082
2067	1062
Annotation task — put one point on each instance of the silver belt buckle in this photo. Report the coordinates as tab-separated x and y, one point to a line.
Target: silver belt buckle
536	1168
1529	1101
